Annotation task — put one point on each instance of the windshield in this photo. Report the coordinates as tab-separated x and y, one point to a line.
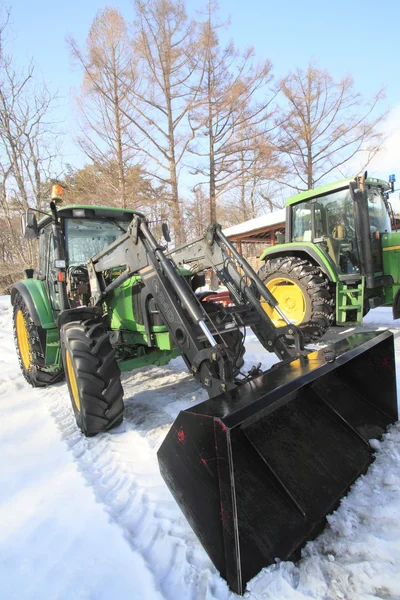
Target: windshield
379	219
86	237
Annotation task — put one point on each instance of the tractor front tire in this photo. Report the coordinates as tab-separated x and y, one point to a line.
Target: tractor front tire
29	341
93	376
302	290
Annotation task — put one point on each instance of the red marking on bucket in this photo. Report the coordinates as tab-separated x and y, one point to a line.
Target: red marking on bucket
224	516
386	361
181	436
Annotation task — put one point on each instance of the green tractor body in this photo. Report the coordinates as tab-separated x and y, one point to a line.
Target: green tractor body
93	229
340	257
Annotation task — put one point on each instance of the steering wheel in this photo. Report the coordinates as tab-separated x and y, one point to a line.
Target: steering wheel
79	270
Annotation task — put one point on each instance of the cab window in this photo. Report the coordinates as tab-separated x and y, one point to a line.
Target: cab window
378	216
44	244
301	214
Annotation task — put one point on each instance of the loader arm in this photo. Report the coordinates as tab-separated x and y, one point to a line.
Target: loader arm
214	251
194	333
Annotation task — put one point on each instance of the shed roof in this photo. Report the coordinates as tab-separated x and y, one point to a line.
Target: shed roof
275	218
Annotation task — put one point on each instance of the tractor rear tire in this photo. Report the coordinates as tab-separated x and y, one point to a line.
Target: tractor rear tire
29	341
311	284
93	376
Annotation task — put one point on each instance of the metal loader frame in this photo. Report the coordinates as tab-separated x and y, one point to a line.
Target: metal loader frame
191	327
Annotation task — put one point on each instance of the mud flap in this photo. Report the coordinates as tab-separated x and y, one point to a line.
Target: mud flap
256	474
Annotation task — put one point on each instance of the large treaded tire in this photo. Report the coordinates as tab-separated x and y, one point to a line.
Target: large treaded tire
97	376
35	373
314	284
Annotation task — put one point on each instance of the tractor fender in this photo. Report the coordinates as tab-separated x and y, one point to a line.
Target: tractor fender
304	250
81	313
34	294
396	305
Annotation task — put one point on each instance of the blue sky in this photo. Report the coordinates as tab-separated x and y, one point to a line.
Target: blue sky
352	36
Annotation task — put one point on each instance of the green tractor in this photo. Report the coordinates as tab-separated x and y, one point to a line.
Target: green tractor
258	465
101	341
339	259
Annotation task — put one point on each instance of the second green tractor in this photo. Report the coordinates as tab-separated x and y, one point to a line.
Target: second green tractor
339	259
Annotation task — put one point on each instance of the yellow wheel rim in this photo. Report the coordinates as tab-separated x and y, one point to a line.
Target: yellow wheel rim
291	301
23	340
72	381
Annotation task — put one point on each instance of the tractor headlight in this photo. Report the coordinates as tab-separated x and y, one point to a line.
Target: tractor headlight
78	212
59	264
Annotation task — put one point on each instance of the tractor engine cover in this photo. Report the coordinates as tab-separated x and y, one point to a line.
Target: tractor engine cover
256	473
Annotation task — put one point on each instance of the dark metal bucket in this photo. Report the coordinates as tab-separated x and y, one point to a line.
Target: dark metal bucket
257	474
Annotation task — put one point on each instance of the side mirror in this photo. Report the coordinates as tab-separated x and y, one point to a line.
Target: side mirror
165	232
29	226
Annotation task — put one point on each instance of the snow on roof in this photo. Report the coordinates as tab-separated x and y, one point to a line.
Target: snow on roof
274	218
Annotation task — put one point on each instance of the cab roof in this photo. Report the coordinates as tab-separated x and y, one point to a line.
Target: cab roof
332	187
93	212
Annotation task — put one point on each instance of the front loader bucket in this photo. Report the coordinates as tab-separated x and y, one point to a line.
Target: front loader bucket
256	474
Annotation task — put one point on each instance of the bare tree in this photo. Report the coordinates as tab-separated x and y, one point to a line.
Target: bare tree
155	94
106	95
257	167
28	148
230	116
325	125
167	52
98	184
196	213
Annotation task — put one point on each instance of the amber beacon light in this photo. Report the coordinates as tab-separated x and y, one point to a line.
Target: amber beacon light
57	193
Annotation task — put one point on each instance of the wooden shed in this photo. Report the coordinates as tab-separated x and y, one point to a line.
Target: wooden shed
253	236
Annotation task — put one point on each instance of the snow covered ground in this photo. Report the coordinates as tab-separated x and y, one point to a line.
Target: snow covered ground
92	518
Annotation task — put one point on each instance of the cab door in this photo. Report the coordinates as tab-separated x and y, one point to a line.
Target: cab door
51	279
379	223
44	241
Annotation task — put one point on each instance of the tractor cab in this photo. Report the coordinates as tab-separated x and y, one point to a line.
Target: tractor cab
68	237
338	259
345	221
86	231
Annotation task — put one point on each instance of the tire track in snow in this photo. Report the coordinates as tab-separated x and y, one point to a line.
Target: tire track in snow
121	466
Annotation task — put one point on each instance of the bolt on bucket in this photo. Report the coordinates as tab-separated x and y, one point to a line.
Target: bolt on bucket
256	474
